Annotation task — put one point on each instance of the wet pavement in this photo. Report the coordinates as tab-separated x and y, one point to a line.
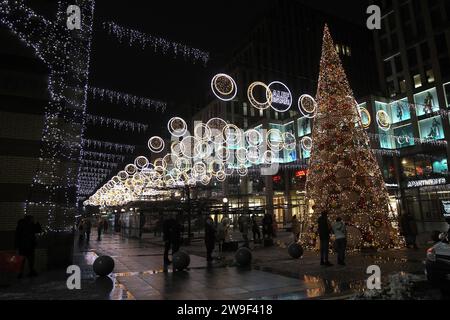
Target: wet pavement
139	274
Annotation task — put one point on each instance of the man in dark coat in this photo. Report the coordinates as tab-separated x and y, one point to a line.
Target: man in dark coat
210	238
25	239
267	223
324	231
171	237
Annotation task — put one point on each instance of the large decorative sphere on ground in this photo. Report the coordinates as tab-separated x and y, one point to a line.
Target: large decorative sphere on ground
243	257
295	250
103	265
180	260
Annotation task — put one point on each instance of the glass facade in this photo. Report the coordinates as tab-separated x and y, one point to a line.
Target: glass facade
426	102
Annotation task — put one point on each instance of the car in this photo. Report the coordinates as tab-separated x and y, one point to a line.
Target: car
437	263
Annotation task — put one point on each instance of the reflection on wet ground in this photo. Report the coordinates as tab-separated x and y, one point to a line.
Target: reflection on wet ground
139	274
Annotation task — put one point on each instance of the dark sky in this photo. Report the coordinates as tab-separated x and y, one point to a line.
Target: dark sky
214	26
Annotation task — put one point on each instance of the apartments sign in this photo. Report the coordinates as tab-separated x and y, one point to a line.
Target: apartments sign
428	182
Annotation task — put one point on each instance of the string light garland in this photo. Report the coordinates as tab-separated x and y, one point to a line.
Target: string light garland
121	97
144	40
116	123
66	55
107	145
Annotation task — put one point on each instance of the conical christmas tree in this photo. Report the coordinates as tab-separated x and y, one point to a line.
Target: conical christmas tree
344	177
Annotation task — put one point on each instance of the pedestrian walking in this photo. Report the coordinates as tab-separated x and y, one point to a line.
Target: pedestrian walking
295	228
267	223
210	238
340	232
244	226
87	226
221	235
324	230
409	230
25	242
171	237
255	228
99	229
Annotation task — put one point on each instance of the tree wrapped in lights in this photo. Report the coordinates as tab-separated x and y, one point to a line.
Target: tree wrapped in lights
344	177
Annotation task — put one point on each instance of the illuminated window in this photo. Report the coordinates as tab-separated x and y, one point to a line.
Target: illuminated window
245	109
261	112
403	86
349	51
338	49
430	76
417	81
426	102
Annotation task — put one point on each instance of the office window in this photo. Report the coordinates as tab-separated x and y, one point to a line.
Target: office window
402	86
441	43
430	76
261	112
425	51
412	57
444	62
417	81
426	102
387	68
398	64
244	107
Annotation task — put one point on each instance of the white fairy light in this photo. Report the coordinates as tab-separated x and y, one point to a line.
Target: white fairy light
308	112
220	90
253	101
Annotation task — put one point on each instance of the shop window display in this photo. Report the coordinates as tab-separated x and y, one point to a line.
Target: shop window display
447	94
431	129
408	167
404	136
400	111
440	166
304	126
385	140
426	102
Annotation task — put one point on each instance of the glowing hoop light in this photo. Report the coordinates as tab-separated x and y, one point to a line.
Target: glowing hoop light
224	87
308	111
216	126
232	134
222	153
251	98
268	156
242	171
177	127
202	132
123	175
280	97
156	144
253	137
367	123
276	146
187	146
141	162
252	154
306	144
383	120
221	176
130	169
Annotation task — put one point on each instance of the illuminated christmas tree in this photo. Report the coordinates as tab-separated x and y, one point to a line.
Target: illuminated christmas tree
344	177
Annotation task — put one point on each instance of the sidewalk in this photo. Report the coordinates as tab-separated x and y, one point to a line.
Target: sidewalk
138	274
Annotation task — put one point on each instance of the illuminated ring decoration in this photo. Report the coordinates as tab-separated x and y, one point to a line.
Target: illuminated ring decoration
220	151
205	132
306	144
199	168
156	144
175	131
237	135
289	145
131	169
383	120
141	162
216	124
242	171
268	156
221	176
188	146
123	175
205	180
213	170
241	154
160	163
251	135
253	154
256	103
309	113
224	95
369	118
176	148
201	152
169	159
277	146
274	97
183	164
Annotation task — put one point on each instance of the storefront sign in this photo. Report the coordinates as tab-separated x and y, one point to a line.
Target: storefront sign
428	182
276	178
391	185
301	173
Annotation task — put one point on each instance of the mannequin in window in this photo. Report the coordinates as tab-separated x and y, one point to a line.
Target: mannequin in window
428	103
399	112
434	130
